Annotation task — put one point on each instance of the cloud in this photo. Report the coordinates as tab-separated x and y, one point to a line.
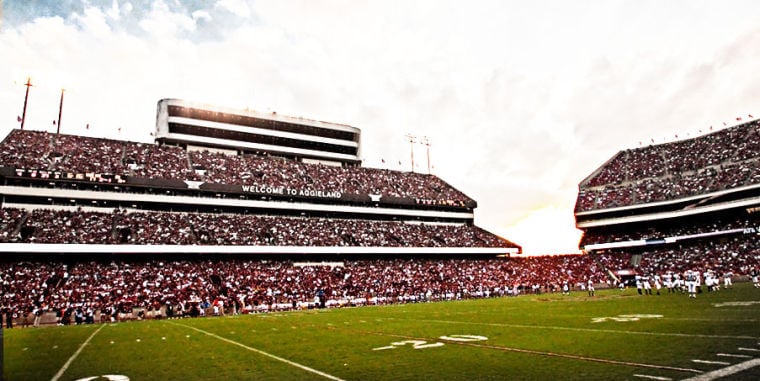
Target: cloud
202	15
237	7
114	12
161	22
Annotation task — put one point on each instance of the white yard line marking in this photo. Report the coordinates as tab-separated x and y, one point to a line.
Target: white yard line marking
295	364
652	377
733	355
749	349
720	373
590	330
550	354
711	362
74	356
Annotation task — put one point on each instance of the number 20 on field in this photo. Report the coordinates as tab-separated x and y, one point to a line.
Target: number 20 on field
421	344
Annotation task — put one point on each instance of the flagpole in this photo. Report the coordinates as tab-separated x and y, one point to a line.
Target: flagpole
26	98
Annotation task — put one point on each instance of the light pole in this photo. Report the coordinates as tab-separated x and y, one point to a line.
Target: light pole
28	84
426	142
412	140
60	110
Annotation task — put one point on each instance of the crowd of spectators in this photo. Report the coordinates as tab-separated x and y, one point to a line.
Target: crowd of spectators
166	228
150	287
222	168
79	154
720	160
598	236
738	255
251	285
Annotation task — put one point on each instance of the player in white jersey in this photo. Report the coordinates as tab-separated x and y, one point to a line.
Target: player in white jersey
668	278
755	277
727	281
590	287
691	283
647	284
657	283
715	281
707	276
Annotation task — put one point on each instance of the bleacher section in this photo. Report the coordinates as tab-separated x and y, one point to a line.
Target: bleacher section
251	285
164	228
719	161
38	152
669	208
63	189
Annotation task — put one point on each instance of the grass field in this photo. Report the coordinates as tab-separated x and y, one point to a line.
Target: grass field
612	336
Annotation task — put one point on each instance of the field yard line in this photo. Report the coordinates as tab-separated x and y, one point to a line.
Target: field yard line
652	377
589	329
734	355
71	359
720	373
295	364
542	353
711	362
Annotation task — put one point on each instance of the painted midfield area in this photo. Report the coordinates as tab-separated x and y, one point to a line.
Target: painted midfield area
614	335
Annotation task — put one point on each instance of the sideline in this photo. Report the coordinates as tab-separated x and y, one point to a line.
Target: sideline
295	364
74	356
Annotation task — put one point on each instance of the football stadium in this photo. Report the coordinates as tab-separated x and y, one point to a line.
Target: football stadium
247	245
590	211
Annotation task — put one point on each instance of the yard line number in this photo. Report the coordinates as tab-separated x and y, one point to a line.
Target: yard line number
422	344
625	318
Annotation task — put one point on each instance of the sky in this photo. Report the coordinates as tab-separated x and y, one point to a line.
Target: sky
520	100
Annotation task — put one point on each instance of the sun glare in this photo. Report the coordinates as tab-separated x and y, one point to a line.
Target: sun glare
549	230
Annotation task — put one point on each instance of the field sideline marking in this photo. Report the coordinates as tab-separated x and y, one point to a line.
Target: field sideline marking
295	364
720	373
74	356
589	329
542	353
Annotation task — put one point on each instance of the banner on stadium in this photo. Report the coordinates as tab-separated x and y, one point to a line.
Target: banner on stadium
64	175
258	190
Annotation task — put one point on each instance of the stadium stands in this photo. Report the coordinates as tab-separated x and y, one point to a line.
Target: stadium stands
738	255
255	285
44	151
246	285
174	285
164	228
724	225
721	160
689	205
74	284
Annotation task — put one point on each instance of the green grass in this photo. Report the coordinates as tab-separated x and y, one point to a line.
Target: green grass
528	338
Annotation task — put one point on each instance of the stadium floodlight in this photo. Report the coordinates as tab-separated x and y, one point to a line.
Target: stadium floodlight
60	111
426	142
412	140
28	84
